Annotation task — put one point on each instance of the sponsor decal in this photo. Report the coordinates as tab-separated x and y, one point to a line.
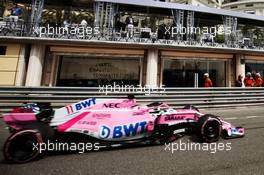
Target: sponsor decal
75	130
122	130
139	113
174	117
104	132
101	116
111	105
69	123
84	104
178	131
87	123
69	109
85	131
81	105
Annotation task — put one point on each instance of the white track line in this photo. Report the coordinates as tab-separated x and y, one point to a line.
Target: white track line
246	117
231	118
252	116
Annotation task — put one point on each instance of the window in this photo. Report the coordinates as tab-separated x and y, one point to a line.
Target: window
2	50
249	5
250	12
92	71
254	67
181	72
233	7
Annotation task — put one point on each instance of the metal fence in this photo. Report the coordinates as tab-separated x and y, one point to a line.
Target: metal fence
23	29
201	97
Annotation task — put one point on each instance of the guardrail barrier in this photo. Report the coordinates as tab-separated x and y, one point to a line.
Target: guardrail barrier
11	97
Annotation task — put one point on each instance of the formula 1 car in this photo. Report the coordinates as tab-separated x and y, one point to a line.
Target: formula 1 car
109	121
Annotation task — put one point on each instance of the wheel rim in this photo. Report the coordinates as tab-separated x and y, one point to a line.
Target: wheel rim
211	130
20	148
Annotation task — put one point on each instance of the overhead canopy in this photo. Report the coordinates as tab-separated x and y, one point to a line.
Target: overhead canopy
169	5
158	7
82	3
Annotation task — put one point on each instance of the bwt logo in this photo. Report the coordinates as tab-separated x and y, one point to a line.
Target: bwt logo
85	104
122	130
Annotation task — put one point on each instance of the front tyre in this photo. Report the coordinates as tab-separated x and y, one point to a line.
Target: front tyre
209	128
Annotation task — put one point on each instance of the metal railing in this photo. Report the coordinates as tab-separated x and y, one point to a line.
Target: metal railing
23	29
178	97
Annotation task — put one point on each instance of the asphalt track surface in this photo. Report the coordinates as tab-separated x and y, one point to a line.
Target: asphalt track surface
246	156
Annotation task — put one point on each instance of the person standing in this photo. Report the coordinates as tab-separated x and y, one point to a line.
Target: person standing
207	81
130	26
239	81
66	23
16	13
258	80
249	81
84	23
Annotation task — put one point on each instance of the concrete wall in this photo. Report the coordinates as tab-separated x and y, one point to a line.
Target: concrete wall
14	70
152	68
35	65
209	3
246	7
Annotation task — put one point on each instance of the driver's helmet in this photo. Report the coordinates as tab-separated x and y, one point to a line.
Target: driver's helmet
33	106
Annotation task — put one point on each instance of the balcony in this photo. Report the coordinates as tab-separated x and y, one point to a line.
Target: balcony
151	26
243	39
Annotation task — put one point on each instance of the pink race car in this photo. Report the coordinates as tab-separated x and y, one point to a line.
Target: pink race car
108	121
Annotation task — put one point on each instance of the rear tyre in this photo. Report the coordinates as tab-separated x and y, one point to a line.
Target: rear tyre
19	147
23	146
46	131
209	128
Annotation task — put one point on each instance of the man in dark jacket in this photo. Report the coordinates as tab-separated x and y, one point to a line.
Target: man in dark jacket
239	81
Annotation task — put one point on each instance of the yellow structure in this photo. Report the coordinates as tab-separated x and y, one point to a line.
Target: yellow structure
9	64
